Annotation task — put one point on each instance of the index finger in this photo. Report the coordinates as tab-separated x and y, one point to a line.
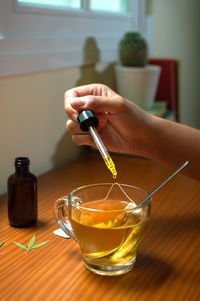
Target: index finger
80	91
76	92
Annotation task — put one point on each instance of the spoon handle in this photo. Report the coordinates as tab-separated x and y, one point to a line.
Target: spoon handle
163	183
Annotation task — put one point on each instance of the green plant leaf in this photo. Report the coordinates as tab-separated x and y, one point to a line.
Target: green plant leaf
1	244
19	245
40	245
31	242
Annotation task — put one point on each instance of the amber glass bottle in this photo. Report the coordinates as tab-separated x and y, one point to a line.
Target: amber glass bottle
22	195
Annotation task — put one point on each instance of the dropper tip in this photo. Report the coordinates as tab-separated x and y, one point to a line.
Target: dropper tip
114	175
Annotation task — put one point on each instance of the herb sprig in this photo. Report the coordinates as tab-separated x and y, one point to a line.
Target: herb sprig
31	245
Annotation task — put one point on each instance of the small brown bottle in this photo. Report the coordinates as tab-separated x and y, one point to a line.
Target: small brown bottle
22	195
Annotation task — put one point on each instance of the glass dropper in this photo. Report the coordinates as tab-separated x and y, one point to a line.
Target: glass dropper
88	122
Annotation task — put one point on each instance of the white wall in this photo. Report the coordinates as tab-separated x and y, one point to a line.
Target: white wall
176	34
32	121
32	117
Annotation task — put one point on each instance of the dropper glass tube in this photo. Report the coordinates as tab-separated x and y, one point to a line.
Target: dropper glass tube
103	151
88	122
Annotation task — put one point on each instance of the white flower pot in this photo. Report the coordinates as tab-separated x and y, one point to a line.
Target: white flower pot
138	84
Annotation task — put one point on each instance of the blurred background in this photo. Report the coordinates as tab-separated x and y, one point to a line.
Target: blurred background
47	47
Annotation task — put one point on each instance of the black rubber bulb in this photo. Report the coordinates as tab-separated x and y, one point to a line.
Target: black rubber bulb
86	119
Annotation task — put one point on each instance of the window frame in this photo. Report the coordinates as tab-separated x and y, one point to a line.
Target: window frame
83	12
24	53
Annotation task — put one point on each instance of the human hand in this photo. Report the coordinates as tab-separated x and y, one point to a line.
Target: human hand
123	126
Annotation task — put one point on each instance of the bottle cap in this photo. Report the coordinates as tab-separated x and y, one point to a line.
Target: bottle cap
87	118
21	161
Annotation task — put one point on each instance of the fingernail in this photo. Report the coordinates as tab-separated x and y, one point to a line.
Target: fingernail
79	102
74	117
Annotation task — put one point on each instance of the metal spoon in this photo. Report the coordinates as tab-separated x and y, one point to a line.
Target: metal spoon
163	183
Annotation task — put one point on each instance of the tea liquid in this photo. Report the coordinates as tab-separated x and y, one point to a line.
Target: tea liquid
108	236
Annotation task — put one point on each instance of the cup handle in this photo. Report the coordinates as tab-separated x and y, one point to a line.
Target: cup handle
61	218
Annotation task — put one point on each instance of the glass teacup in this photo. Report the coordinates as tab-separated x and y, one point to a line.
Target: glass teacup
103	219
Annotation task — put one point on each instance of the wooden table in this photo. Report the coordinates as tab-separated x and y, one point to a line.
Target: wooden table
168	262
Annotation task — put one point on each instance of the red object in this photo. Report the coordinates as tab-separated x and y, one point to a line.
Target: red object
167	84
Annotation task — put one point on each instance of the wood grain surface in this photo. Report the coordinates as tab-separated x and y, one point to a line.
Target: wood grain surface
168	261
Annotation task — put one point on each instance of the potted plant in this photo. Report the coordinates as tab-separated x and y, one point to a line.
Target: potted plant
136	80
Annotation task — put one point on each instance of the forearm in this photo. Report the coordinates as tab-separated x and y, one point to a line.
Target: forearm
173	143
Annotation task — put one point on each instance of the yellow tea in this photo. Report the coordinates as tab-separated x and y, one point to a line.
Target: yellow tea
110	235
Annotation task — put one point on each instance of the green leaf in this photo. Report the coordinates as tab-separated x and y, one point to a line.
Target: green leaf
40	245
19	245
1	244
31	242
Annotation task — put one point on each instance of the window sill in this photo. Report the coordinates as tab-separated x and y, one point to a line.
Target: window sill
38	54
